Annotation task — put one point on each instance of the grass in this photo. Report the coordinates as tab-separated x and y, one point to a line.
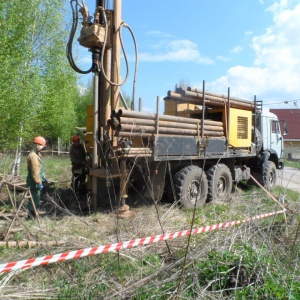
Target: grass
56	168
256	260
292	164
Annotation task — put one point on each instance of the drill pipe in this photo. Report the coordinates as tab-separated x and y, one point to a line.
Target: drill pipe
192	89
183	91
131	121
216	97
151	135
151	116
168	130
209	100
134	134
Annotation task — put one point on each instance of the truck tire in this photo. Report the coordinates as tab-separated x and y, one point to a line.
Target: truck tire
269	175
191	187
267	178
219	183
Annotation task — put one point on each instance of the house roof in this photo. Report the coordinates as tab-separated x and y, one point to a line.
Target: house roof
292	118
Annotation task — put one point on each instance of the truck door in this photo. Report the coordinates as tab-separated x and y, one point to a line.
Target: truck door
276	139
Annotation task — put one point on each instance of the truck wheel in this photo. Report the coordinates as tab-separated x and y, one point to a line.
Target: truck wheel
191	186
219	183
269	175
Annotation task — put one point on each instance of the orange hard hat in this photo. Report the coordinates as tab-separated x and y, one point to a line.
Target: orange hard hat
75	138
40	140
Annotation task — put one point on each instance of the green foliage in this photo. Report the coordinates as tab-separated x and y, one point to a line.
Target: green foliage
127	99
218	213
85	99
78	288
254	275
108	265
289	195
38	89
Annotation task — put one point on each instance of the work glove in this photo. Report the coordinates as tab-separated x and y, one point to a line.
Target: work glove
45	179
39	186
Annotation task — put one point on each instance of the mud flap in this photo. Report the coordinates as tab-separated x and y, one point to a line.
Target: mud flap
155	181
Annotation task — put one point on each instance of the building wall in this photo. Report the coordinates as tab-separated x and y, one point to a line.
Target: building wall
292	149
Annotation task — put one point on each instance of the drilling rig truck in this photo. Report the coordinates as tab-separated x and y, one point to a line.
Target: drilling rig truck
193	152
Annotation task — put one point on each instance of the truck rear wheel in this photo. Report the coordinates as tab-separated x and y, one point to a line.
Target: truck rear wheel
219	183
191	187
269	175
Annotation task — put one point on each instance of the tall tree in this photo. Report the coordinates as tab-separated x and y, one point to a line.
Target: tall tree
38	89
86	98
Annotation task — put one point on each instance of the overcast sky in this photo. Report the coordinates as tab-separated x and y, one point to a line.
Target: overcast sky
251	46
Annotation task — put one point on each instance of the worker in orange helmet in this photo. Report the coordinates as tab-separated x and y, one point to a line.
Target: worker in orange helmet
78	160
35	173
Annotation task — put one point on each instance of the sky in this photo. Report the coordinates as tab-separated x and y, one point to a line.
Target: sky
249	46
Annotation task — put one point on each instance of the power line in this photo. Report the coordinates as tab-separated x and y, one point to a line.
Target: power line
295	102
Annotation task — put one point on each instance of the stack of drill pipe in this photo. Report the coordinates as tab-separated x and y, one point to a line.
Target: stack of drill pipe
194	96
130	123
30	244
192	89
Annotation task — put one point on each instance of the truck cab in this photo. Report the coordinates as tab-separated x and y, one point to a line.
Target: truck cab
272	138
269	145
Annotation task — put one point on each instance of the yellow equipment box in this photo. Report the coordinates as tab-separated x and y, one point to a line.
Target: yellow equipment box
240	128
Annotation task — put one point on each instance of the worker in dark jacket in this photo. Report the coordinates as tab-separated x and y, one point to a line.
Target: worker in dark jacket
35	174
78	161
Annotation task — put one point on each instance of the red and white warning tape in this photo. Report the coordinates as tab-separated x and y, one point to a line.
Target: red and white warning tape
48	259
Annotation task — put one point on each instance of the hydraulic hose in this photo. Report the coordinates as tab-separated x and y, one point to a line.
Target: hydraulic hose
69	47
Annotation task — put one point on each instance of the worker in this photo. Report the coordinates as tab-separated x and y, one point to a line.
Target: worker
78	160
35	168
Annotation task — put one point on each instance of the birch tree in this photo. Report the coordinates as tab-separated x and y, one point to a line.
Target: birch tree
38	89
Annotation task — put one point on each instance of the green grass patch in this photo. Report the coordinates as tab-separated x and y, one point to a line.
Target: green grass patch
292	164
56	168
264	251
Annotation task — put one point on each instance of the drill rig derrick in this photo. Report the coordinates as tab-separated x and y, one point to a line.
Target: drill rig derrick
101	37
